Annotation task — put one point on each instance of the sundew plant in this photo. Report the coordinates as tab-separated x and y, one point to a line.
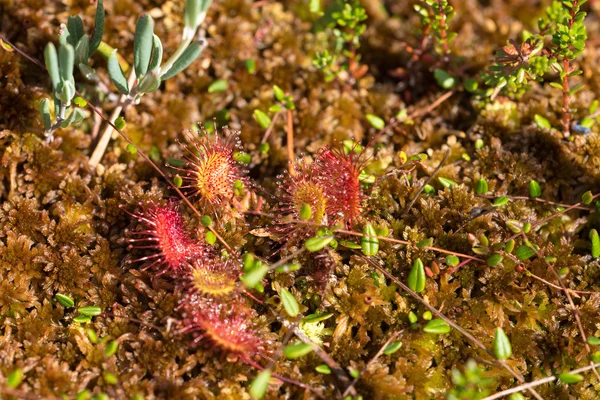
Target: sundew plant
299	200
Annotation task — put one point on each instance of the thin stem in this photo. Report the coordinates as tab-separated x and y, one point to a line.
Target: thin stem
535	383
290	143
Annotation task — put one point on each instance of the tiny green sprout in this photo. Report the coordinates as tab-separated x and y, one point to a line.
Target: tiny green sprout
502	347
534	189
207	221
375	121
509	246
412	317
437	326
289	303
131	149
177	181
421	244
482	186
255	275
570	378
516	396
82	319
14	379
260	384
392	348
264	148
92	335
263	119
444	79
479	144
369	243
416	277
297	350
447	183
353	372
65	301
220	85
317	243
120	123
587	197
80	102
595	239
323	369
250	65
594	341
452	260
541	122
500	201
427	315
306	212
90	311
109	378
428	189
210	237
278	93
111	348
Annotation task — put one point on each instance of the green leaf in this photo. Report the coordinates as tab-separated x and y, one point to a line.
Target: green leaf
444	79
534	189
471	85
323	369
494	260
116	73
482	186
516	396
250	65
375	121
80	102
210	238
500	201
305	212
44	109
149	83
556	84
412	317
314	6
195	10
297	350
278	93
51	61
14	379
82	50
220	85
254	276
92	335
120	123
421	244
206	220
90	311
569	378
189	55
142	44
98	28
524	252
66	62
541	122
593	340
65	301
314	318
317	243
416	277
452	261
111	348
82	319
369	243
595	243
289	303
392	348
263	119
75	27
438	326
260	384
447	183
76	116
131	149
157	53
587	197
502	347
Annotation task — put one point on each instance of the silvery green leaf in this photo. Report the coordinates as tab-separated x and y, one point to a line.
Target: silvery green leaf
188	56
87	71
98	29
157	53
75	27
51	60
44	109
63	35
66	61
66	92
195	11
142	44
149	83
82	50
116	73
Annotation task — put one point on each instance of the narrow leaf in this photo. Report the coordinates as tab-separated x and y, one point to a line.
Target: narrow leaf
570	378
116	73
66	301
595	243
66	62
369	243
260	384
263	119
438	326
75	26
416	277
448	183
44	109
534	189
297	350
98	28
502	347
188	56
157	53
142	44
90	311
317	243
500	201
289	303
82	50
392	348
51	61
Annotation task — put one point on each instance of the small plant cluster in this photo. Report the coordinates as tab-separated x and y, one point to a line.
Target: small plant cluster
76	49
563	29
345	19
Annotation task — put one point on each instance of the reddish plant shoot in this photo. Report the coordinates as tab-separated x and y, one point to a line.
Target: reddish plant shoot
165	236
